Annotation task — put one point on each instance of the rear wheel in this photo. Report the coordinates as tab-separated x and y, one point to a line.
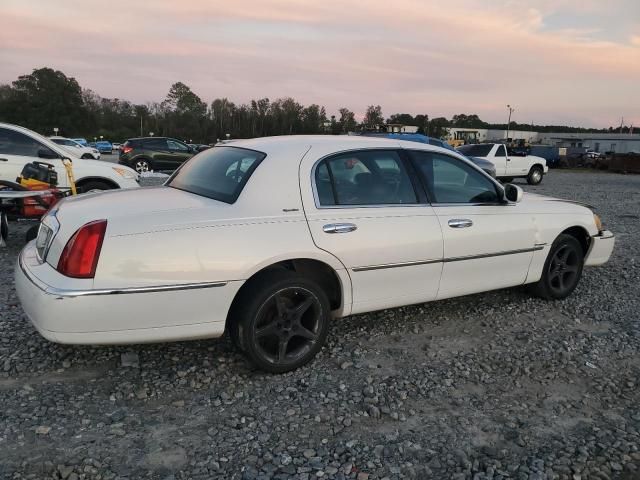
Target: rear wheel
535	175
281	321
562	269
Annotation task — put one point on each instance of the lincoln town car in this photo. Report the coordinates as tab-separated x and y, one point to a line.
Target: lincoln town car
270	240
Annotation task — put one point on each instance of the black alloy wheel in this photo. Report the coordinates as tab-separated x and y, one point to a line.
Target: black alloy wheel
562	269
282	321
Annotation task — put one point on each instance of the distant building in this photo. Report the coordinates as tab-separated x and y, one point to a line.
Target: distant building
600	142
492	135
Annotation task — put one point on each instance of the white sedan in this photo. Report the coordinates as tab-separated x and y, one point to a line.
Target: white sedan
76	149
270	239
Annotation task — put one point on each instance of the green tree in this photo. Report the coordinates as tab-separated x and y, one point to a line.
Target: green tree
403	119
45	99
437	127
468	121
373	116
347	120
313	119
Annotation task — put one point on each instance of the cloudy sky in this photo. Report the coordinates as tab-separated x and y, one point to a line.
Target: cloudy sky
557	61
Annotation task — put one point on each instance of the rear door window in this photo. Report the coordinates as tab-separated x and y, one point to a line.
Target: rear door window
156	144
373	177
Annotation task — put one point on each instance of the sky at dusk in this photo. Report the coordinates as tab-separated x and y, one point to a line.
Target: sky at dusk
573	62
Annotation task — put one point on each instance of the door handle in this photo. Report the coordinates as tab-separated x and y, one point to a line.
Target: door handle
460	223
339	228
4	159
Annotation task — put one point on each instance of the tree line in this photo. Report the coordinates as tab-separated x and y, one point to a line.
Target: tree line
48	99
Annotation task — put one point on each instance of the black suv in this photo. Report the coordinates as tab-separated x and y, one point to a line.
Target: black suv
154	153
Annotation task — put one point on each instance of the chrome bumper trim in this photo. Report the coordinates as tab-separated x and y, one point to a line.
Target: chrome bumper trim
66	293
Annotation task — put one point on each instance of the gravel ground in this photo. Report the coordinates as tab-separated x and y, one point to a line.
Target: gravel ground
491	386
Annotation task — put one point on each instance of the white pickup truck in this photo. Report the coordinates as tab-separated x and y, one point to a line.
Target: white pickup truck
508	166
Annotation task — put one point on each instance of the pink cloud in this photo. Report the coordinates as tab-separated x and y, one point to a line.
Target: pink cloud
412	56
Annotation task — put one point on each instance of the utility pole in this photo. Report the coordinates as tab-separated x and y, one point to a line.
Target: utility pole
141	134
509	122
621	123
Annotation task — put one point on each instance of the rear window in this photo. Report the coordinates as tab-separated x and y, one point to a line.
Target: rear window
219	173
478	150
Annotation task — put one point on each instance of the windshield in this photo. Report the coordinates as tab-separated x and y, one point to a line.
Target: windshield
219	173
478	150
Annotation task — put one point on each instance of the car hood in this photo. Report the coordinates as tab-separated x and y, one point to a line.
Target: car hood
87	167
557	203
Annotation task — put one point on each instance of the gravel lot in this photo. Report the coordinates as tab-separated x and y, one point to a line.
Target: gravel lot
498	385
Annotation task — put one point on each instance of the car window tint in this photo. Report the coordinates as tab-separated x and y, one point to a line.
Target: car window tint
450	180
500	151
155	144
16	143
219	173
375	177
173	145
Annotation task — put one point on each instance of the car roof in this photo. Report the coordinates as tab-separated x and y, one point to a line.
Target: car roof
339	142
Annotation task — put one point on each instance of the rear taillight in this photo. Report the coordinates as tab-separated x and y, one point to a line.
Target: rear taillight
80	255
126	149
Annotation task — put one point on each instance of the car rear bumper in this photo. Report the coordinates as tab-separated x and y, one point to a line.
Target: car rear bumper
119	316
600	249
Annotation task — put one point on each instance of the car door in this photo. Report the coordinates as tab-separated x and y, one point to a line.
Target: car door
160	153
17	149
363	207
180	153
517	165
501	161
488	243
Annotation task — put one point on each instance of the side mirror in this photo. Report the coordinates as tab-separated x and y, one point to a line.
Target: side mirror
513	193
47	153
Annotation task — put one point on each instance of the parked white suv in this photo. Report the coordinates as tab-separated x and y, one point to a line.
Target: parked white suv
19	146
76	148
508	166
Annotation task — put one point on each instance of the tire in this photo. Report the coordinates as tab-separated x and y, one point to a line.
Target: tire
281	321
562	269
95	186
142	165
535	175
88	156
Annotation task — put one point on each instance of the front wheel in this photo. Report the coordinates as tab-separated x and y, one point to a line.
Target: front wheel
535	175
562	269
281	321
87	156
94	186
